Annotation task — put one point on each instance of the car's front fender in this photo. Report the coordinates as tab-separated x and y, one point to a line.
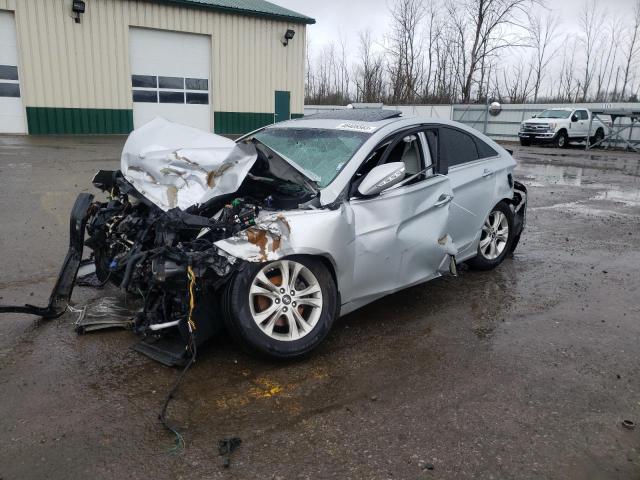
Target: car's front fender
323	232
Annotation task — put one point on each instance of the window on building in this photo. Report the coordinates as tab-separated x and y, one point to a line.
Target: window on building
171	82
171	97
145	96
198	98
196	84
9	90
144	81
8	72
153	89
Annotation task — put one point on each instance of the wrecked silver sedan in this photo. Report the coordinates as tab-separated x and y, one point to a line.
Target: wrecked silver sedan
278	234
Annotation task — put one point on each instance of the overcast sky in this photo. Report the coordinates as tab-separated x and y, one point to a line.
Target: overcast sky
348	17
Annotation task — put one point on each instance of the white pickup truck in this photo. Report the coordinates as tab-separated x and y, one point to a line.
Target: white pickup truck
560	126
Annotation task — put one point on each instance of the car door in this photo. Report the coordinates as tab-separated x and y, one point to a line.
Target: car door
582	125
473	167
399	233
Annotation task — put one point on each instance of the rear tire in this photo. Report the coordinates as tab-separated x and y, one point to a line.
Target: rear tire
598	137
496	238
269	315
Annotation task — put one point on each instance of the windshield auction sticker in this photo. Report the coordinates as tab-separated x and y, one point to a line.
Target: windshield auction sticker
356	127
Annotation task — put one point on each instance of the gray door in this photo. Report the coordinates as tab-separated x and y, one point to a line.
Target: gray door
473	168
397	233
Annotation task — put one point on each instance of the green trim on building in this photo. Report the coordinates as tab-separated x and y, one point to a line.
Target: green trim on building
96	121
236	123
83	121
251	8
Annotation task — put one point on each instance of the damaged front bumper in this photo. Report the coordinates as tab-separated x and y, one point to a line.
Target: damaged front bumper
168	259
61	294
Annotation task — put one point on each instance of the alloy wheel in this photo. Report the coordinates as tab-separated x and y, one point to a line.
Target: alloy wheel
494	236
285	299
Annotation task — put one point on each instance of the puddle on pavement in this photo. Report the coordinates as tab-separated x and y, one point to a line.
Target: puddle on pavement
629	198
625	163
546	175
581	208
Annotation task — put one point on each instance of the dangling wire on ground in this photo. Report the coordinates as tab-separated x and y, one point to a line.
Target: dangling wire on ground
191	326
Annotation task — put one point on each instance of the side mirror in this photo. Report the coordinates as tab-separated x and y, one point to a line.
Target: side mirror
381	178
535	115
574	118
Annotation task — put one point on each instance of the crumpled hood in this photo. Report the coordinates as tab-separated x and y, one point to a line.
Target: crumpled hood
178	166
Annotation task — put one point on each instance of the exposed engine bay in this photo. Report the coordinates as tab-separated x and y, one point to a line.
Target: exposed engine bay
166	254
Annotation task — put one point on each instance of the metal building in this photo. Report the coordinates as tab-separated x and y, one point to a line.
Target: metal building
107	66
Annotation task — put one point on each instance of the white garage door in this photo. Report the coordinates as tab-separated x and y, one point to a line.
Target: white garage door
170	77
11	109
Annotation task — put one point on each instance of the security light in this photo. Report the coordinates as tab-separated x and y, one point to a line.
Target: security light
78	7
288	35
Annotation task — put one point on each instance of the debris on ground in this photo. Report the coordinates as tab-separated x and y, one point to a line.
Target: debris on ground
226	446
628	424
105	312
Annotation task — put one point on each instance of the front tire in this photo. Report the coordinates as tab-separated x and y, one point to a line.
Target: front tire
561	140
525	142
496	238
282	309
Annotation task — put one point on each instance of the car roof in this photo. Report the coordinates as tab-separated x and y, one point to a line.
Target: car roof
359	115
334	119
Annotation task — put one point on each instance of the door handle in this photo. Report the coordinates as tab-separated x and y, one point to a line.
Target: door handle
443	200
487	172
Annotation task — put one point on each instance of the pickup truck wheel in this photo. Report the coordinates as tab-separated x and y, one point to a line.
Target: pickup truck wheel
281	309
496	238
598	137
561	140
525	142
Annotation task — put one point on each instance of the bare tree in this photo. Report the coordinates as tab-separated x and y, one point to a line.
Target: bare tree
607	58
591	20
404	50
309	85
518	82
445	51
434	35
632	49
566	83
369	71
543	33
489	26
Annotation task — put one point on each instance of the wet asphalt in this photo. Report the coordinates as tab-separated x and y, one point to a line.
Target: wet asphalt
524	372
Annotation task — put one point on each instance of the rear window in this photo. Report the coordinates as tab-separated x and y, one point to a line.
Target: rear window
457	147
322	152
484	150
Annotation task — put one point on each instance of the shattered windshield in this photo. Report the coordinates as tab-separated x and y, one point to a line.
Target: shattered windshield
554	114
321	152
